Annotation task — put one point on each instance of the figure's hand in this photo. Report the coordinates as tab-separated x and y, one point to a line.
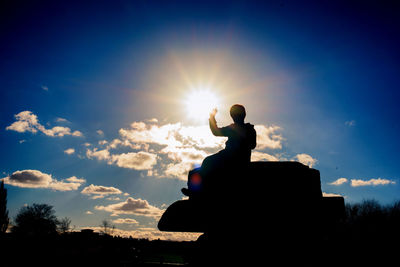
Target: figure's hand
213	112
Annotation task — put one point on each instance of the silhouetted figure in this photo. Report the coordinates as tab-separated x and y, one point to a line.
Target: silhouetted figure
237	152
241	138
237	203
278	203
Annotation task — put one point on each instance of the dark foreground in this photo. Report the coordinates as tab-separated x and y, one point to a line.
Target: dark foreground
368	236
92	249
275	212
265	214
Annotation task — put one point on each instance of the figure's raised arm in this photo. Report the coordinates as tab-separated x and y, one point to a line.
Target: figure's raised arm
213	124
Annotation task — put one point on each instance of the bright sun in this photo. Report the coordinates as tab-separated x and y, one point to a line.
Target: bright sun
199	103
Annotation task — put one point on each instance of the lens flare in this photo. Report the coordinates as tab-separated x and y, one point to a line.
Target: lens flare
195	181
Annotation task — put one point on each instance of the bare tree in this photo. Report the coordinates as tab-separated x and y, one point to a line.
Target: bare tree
64	225
107	228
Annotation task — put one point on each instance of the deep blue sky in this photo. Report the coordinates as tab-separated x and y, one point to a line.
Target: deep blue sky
325	75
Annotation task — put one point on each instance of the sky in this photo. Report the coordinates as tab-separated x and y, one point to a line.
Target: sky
104	104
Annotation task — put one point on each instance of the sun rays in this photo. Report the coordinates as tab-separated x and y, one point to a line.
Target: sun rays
199	103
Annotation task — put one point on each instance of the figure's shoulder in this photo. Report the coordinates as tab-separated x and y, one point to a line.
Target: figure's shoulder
231	126
249	125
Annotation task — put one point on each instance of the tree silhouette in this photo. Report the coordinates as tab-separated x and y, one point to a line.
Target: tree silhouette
4	220
107	228
36	220
64	225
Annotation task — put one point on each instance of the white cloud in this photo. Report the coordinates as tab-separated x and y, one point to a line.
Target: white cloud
57	131
184	154
45	88
306	159
69	151
77	134
97	196
26	121
267	137
99	191
75	179
331	195
178	170
61	120
103	142
125	221
260	156
170	150
185	146
131	160
153	120
113	198
100	132
173	135
339	181
64	186
137	161
38	179
178	135
360	182
371	182
150	233
103	154
88	212
133	206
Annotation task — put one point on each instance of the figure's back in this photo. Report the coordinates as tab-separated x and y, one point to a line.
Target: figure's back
241	139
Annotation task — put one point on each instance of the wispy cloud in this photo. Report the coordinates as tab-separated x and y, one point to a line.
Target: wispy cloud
99	191
350	123
339	181
69	151
38	179
137	161
360	182
26	121
261	156
371	182
61	120
331	195
125	221
150	233
75	179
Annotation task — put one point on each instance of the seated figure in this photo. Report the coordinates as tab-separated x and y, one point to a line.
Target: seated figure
237	152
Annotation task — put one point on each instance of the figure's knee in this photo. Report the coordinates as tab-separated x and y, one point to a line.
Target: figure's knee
208	162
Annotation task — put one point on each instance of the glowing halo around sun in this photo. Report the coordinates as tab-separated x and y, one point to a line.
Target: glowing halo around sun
199	103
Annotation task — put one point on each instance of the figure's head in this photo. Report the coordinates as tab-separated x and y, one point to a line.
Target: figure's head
238	113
